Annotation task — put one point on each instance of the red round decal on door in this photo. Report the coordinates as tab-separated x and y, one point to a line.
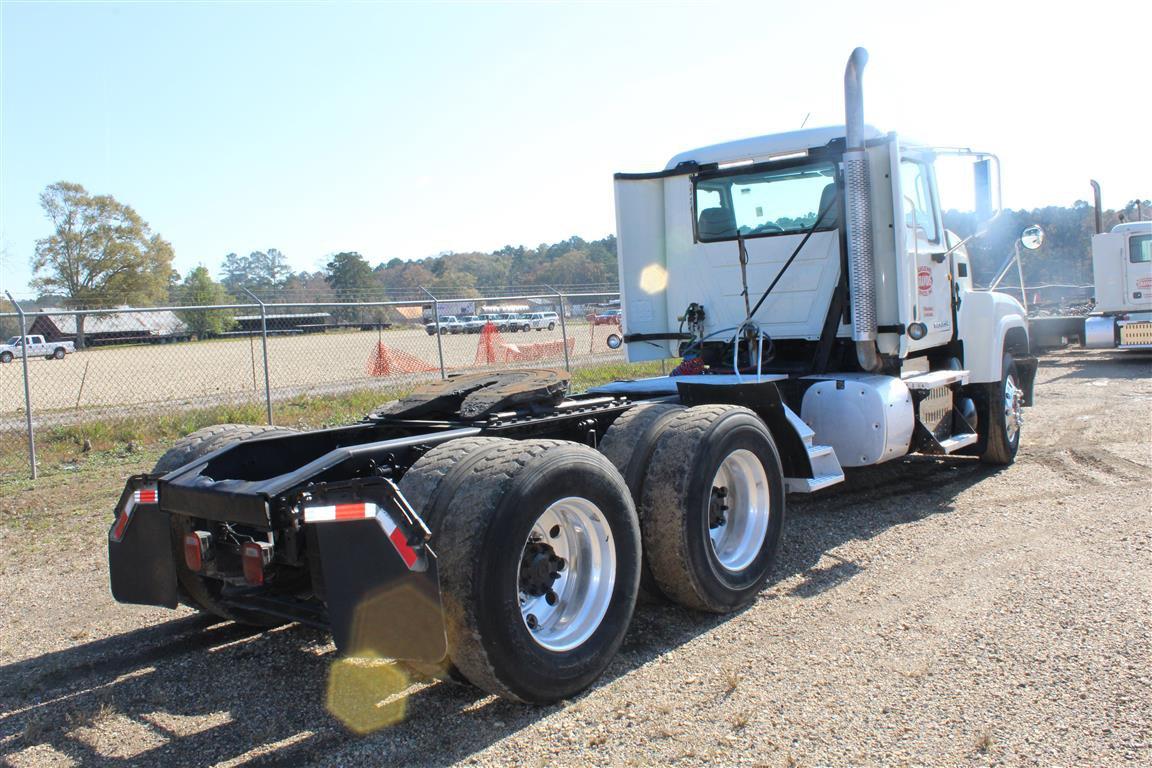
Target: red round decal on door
1144	283
924	281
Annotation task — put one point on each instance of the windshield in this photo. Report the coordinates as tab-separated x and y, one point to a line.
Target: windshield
769	202
14	341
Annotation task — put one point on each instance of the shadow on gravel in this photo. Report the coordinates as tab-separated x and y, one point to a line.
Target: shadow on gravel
194	692
1103	364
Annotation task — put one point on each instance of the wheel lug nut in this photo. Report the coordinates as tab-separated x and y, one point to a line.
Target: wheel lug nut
555	532
530	619
551	597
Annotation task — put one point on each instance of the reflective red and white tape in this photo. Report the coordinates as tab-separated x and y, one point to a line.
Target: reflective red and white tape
145	495
336	513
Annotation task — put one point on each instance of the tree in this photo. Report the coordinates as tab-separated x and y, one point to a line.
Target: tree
199	289
350	277
258	271
100	253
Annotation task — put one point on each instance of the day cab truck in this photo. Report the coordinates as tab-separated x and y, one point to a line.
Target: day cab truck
34	346
1122	283
495	528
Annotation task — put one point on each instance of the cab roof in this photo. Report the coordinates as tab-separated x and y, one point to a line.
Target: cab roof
761	148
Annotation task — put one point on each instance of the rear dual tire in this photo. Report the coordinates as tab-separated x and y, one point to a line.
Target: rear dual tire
709	491
539	551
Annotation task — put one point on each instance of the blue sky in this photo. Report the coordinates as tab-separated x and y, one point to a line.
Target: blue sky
409	129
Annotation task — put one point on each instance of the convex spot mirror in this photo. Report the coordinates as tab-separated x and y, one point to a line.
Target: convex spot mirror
615	342
1032	237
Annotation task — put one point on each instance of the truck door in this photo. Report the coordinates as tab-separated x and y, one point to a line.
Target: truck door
1138	272
926	246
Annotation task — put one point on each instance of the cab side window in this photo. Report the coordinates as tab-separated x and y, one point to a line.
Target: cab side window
919	210
1140	249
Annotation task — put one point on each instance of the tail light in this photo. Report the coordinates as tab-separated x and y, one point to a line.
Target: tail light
255	555
196	549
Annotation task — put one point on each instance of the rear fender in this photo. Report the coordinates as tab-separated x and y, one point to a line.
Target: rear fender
380	574
141	562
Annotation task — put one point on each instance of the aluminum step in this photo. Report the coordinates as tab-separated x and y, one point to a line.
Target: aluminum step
956	442
934	379
811	484
826	471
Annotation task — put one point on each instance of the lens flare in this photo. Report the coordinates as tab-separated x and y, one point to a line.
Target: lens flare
653	278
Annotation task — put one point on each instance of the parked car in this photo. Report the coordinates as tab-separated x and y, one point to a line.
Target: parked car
513	322
471	324
540	321
37	347
605	317
448	324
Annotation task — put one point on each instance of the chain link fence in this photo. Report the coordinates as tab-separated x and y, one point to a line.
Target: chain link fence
136	369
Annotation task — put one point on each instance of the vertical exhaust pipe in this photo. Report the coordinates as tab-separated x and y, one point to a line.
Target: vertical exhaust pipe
858	209
1099	208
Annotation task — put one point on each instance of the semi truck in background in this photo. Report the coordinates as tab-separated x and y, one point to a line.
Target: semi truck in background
1122	283
496	529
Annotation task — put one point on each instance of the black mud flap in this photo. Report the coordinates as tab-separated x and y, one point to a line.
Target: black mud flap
380	576
141	563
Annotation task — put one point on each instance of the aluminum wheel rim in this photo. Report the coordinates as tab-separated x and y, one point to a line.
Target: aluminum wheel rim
741	485
1013	408
576	532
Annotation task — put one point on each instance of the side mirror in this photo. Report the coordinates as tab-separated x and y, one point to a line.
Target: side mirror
1032	237
615	342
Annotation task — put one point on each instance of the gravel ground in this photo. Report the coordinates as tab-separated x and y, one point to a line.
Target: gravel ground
928	612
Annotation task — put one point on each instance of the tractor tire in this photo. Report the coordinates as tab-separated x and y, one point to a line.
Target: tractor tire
629	444
195	591
539	552
1002	416
712	509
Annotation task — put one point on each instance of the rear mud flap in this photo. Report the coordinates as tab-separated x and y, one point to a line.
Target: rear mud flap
380	578
141	564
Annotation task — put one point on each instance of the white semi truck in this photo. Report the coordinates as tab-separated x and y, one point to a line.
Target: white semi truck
1121	317
1122	274
496	529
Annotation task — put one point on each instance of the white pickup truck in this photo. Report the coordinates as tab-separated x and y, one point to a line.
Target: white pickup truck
37	347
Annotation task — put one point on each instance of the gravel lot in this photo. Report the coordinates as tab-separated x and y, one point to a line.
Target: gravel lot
928	612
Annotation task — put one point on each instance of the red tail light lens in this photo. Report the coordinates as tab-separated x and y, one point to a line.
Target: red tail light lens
255	555
197	550
194	549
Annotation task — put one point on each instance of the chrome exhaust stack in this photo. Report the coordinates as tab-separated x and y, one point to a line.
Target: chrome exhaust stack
858	210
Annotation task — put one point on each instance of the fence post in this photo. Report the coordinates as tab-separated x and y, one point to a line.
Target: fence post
563	328
439	336
264	341
27	389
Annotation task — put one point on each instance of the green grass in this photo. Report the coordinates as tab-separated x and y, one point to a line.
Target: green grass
99	443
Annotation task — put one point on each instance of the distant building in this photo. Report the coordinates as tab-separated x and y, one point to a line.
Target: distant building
129	327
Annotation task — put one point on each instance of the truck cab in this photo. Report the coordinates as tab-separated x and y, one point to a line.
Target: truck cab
1122	274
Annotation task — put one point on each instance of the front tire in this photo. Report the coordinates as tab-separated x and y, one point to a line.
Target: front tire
539	550
1003	416
5	357
712	510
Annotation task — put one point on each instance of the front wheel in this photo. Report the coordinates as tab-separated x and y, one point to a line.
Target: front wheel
5	357
1002	418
